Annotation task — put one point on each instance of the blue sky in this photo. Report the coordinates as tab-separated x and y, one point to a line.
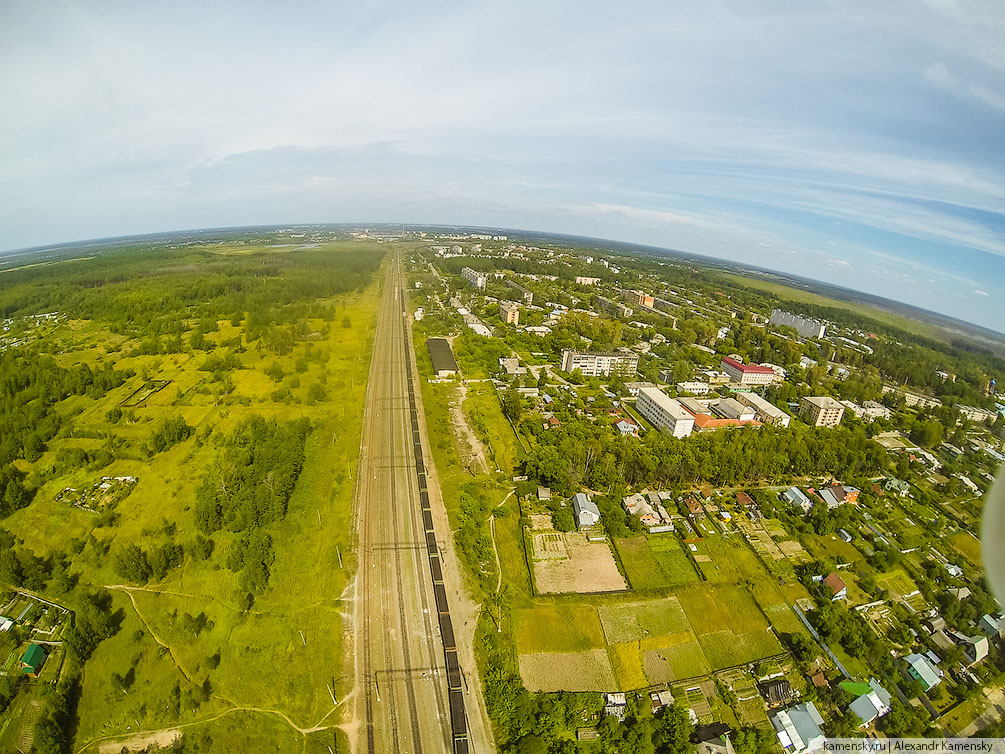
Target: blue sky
861	143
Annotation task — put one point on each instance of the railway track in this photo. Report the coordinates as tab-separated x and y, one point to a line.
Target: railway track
412	697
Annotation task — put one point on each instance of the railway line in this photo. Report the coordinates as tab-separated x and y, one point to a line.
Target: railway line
412	698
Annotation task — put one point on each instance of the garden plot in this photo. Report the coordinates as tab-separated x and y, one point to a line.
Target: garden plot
588	567
567	671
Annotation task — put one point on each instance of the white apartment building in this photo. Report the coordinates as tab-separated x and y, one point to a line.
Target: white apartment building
580	280
821	411
477	279
600	364
663	412
765	412
694	387
805	326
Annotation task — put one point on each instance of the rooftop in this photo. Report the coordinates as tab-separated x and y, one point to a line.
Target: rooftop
746	368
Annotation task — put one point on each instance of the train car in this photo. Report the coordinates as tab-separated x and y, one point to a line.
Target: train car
423	495
447	633
431	543
435	570
453	669
458	720
427	519
441	598
423	487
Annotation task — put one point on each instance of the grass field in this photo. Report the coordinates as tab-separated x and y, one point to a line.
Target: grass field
240	660
654	562
558	628
968	546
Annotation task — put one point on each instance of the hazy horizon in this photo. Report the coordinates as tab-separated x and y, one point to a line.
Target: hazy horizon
847	143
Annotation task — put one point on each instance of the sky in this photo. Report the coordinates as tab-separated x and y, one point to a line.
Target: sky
858	143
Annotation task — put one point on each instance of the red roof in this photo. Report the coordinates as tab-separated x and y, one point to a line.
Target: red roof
835	583
747	368
744	499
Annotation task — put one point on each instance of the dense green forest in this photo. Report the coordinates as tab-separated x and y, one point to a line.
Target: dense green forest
581	452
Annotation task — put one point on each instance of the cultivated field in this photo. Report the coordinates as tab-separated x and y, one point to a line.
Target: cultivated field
567	671
588	567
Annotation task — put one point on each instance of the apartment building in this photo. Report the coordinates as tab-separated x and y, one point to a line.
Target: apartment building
663	412
623	363
821	411
509	312
475	278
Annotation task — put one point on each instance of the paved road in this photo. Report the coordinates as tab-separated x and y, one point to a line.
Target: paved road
403	705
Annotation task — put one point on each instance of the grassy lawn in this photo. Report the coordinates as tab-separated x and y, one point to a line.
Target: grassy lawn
486	418
655	561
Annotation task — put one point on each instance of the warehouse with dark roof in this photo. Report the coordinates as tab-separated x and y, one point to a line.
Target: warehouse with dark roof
442	357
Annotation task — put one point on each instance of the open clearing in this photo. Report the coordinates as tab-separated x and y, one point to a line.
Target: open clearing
567	671
589	568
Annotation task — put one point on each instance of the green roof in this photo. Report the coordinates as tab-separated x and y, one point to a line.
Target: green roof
856	689
33	657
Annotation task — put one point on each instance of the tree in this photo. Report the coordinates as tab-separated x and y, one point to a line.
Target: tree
512	405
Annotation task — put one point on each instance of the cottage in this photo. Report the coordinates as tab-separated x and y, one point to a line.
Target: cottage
6	624
742	498
976	648
694	508
837	586
32	660
872	704
585	510
920	668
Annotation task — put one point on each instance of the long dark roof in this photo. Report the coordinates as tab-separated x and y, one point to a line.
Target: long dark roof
441	355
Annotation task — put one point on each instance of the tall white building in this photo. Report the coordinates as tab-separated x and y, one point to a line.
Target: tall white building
477	279
808	328
663	412
623	363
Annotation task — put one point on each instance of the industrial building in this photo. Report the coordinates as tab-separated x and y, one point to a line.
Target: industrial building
442	357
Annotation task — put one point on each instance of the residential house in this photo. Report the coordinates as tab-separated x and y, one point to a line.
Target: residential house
32	660
921	668
798	728
839	494
745	500
6	624
795	496
870	705
585	510
976	649
837	586
627	428
993	627
638	505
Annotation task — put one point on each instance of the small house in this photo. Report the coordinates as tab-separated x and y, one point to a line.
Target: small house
991	626
798	728
585	510
872	704
921	668
745	500
976	648
837	586
32	660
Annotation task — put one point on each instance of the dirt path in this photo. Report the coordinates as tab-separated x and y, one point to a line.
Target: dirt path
166	736
492	530
153	634
466	435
